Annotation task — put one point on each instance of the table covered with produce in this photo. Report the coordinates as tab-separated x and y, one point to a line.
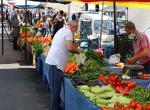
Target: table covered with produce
92	84
33	44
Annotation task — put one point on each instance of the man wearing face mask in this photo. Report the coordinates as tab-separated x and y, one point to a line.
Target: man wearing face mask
141	46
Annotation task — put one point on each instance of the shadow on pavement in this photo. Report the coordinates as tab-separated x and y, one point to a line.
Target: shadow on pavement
20	89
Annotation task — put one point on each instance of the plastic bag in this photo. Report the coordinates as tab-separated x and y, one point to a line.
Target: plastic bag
80	58
100	52
113	59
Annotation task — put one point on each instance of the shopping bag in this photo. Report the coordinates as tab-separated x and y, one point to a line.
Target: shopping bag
80	58
113	59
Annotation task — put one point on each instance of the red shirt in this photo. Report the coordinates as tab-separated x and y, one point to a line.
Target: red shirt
139	43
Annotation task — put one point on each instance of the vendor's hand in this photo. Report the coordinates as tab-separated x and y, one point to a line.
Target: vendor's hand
131	60
75	44
75	51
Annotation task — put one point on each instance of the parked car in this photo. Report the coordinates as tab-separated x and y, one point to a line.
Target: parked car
90	26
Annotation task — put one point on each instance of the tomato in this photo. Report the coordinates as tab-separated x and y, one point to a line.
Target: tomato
147	107
121	90
127	88
131	84
116	105
123	107
139	107
131	101
133	105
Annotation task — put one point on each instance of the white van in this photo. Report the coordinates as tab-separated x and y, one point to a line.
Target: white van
89	27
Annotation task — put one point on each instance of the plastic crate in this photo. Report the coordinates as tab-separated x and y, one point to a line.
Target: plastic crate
125	47
108	50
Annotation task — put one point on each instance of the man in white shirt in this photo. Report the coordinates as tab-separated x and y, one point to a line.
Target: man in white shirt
57	59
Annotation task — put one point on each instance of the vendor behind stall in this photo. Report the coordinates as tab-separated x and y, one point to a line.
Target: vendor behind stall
141	46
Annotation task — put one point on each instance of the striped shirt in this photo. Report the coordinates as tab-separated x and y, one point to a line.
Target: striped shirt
139	43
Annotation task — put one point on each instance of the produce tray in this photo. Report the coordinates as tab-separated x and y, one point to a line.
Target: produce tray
134	67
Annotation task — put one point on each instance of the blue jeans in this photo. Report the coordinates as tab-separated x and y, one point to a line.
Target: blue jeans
56	78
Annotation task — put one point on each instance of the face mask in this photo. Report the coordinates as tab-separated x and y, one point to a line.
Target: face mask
132	36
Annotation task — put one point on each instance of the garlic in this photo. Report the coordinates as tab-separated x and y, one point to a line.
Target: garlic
128	77
123	76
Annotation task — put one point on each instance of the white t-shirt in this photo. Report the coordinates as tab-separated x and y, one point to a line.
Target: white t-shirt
58	54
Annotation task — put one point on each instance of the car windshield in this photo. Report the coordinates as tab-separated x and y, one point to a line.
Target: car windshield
97	24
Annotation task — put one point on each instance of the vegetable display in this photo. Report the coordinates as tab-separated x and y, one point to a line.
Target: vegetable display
91	68
71	67
140	94
104	96
91	54
72	58
76	80
119	85
115	95
25	29
37	47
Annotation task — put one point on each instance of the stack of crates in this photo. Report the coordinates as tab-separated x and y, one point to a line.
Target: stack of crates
125	46
108	50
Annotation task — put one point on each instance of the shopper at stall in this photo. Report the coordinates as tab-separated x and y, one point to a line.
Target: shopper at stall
45	24
16	22
59	21
141	46
57	59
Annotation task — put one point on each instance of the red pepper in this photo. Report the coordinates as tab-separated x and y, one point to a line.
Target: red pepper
147	107
131	84
131	101
122	91
139	107
104	108
116	105
133	105
123	107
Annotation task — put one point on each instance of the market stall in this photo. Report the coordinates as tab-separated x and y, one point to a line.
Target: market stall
117	70
32	44
75	98
93	84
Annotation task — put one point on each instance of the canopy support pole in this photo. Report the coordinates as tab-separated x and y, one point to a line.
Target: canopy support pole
101	27
25	29
115	31
127	13
69	12
2	19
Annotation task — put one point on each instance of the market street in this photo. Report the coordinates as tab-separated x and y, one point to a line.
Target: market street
19	87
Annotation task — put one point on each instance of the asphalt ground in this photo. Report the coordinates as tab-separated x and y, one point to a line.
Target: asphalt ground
20	88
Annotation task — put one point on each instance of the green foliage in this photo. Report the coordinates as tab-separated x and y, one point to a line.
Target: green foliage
140	94
25	29
90	54
90	70
37	47
72	57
